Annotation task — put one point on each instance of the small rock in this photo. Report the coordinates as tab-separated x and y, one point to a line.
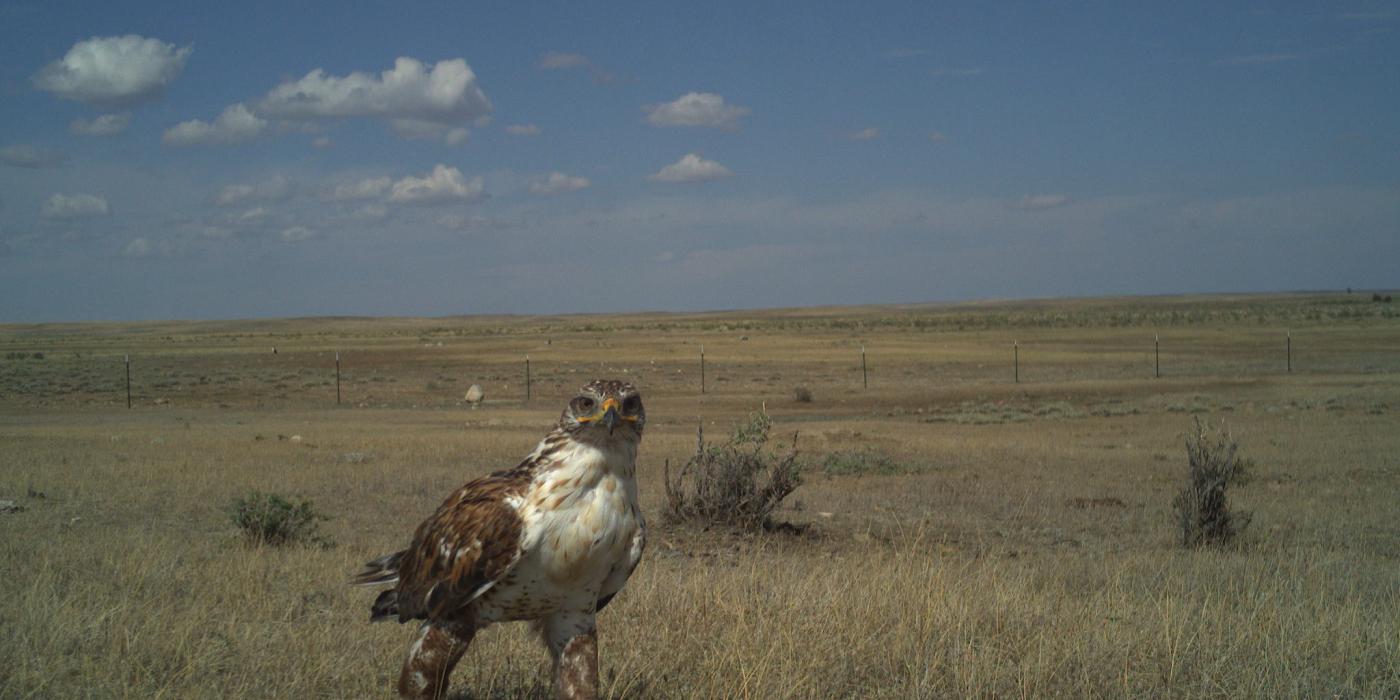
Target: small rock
475	395
295	438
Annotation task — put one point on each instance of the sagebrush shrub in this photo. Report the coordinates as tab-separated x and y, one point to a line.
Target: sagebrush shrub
268	518
738	483
1202	506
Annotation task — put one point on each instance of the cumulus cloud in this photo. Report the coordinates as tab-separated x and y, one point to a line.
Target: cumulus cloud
26	156
66	207
443	184
368	188
1042	201
558	183
696	109
297	233
867	134
419	101
523	130
116	71
237	124
272	189
691	168
104	125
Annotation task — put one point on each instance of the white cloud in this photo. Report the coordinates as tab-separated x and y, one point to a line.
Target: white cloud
253	216
322	142
696	109
370	212
114	71
558	183
691	168
272	189
237	124
557	60
26	156
937	136
867	134
104	125
456	136
74	206
138	248
523	130
368	188
443	184
297	233
418	100
1042	201
905	53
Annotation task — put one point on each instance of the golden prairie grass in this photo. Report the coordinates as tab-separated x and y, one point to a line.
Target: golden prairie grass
1026	549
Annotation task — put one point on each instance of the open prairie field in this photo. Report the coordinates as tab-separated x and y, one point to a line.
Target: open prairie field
966	527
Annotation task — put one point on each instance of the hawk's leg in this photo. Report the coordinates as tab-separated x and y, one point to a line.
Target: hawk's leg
573	642
435	651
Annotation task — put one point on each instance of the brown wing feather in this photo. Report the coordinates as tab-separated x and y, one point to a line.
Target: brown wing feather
469	544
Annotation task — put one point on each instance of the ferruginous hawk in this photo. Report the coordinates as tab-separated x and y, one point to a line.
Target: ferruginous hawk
550	541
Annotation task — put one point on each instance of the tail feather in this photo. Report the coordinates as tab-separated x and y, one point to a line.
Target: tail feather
381	571
386	607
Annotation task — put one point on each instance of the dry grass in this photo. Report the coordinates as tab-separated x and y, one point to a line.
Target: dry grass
1027	547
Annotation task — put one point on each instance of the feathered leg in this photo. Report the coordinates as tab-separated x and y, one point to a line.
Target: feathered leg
435	651
573	642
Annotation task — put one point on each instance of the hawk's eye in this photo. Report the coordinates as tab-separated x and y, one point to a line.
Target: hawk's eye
586	404
632	404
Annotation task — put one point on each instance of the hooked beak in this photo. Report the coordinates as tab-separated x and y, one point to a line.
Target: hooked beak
610	415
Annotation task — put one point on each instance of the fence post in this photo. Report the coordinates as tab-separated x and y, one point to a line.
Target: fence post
1157	349
702	368
128	381
1016	360
337	377
864	376
527	377
1288	349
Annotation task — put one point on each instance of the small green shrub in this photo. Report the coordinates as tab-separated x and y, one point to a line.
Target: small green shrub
865	461
1202	507
268	518
738	483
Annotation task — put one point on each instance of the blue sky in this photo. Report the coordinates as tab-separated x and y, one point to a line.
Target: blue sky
241	160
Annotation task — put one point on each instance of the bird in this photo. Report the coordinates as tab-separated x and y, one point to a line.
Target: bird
551	542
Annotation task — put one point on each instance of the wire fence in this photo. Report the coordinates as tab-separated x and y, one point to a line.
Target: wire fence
441	374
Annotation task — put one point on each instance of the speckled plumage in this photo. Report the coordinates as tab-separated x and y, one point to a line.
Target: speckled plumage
550	541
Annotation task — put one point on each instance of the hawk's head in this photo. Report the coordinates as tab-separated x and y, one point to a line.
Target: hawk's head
606	408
